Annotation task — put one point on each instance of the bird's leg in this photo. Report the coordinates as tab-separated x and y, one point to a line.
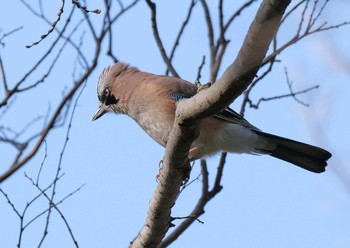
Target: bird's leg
192	153
186	178
186	172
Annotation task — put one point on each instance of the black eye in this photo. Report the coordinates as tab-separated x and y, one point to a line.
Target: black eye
106	92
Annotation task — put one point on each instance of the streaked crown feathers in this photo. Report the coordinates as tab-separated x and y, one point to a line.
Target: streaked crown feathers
108	75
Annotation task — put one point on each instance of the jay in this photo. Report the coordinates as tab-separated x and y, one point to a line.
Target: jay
151	101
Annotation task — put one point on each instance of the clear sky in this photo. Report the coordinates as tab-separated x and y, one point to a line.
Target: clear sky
264	203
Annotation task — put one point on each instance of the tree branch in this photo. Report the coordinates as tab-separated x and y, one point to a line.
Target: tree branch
165	57
53	26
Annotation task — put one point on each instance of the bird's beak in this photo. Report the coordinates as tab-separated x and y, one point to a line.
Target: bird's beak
100	111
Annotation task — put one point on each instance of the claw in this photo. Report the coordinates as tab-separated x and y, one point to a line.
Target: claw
160	165
202	86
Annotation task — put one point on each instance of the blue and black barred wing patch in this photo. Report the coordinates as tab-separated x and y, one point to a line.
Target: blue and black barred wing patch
178	97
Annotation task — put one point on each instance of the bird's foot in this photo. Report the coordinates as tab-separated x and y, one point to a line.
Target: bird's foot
186	170
160	165
202	86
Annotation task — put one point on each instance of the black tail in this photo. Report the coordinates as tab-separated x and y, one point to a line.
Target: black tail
306	156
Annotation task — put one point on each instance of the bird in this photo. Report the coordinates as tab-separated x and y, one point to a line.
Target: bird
151	99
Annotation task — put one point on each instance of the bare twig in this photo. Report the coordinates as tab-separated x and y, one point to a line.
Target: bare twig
212	47
200	69
179	35
292	94
290	83
43	17
51	199
50	125
26	127
42	163
84	8
292	10
108	5
11	203
188	217
252	85
218	49
4	81
221	20
52	204
59	14
53	122
78	61
24	226
57	203
156	35
110	20
187	184
40	61
310	28
8	34
209	23
123	10
236	14
217	183
23	213
53	25
42	79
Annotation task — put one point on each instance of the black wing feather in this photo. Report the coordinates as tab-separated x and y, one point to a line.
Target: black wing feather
227	114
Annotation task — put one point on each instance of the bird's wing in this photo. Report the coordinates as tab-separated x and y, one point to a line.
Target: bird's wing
227	114
232	116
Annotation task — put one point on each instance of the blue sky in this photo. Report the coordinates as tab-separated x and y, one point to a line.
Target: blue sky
264	203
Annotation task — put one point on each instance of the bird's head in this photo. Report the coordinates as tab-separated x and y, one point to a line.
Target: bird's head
107	89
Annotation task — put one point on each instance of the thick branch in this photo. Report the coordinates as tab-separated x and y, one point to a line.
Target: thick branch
206	103
201	203
240	73
170	181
